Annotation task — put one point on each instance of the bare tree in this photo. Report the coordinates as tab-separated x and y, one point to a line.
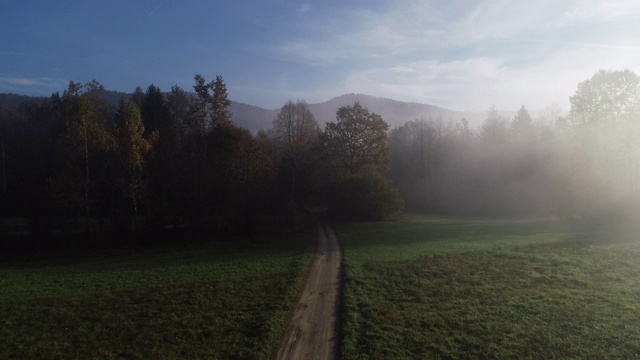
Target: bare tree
296	133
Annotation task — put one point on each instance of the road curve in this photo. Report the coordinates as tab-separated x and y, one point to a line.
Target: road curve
312	333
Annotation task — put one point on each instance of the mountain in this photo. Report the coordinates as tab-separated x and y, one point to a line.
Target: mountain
9	100
394	112
252	117
255	118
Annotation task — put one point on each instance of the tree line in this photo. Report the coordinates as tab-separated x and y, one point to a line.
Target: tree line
175	162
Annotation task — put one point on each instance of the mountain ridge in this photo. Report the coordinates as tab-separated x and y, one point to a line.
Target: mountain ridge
394	112
255	118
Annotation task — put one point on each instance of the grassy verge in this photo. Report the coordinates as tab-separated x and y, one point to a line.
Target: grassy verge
230	300
446	289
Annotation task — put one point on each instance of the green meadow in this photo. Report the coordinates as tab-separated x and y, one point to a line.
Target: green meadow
218	300
436	288
415	288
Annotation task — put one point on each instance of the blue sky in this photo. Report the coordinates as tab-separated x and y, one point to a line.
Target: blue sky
463	55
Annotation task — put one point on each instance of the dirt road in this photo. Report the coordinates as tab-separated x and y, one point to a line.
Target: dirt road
312	333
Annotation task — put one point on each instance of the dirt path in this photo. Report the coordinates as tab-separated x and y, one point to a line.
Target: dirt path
312	333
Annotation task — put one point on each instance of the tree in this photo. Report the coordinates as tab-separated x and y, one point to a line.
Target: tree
607	108
211	101
159	125
296	134
244	179
83	144
495	128
138	96
132	148
3	154
605	119
199	108
417	159
200	169
357	141
178	106
609	97
366	196
522	125
197	169
550	114
220	113
155	111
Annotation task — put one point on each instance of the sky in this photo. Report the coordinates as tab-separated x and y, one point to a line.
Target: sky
462	55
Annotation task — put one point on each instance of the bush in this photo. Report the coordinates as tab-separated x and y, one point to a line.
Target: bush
366	197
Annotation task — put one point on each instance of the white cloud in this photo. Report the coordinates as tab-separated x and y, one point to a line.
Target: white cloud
31	85
476	83
441	83
588	10
304	8
470	56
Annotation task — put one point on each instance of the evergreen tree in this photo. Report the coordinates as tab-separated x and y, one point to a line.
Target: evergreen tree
155	111
220	113
495	129
522	125
199	109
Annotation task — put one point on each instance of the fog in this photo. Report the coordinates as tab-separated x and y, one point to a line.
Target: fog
582	167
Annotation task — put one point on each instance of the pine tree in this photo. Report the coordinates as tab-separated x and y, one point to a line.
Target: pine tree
220	113
522	125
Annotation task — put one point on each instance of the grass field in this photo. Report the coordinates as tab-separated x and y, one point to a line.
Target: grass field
225	300
431	288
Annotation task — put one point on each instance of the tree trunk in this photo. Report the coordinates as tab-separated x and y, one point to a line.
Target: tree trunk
293	177
135	203
134	223
4	163
86	162
4	169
